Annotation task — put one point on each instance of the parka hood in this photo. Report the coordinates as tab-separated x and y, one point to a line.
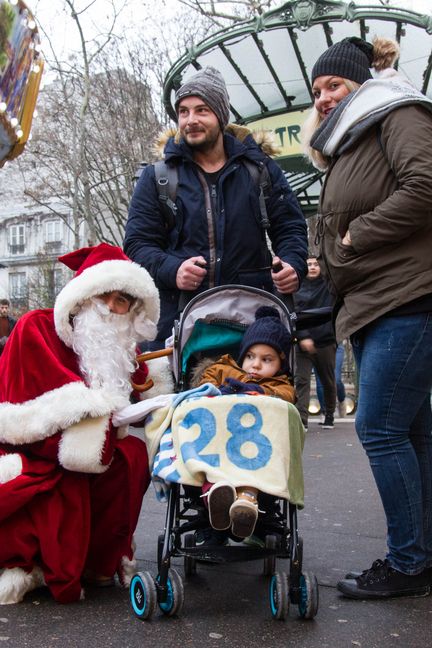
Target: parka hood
238	140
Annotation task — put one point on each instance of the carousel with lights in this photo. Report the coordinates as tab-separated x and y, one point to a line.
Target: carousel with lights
21	68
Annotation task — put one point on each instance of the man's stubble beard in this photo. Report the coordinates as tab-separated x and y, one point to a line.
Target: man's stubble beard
208	144
105	344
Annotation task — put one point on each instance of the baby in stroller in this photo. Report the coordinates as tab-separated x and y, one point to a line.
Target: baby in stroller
214	428
262	368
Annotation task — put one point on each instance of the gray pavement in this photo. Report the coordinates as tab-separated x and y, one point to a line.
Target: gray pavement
343	528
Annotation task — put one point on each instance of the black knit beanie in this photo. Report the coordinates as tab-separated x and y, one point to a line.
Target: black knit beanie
350	59
208	84
268	329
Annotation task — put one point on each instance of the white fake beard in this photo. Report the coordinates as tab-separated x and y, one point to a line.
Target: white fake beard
106	345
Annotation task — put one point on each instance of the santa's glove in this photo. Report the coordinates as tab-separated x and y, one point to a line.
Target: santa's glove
3	340
233	386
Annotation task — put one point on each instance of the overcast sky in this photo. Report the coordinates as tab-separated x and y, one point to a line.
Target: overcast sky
52	16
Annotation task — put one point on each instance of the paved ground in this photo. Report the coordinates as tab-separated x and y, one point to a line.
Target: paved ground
343	528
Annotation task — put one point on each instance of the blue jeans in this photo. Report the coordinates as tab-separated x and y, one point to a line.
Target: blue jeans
340	387
394	425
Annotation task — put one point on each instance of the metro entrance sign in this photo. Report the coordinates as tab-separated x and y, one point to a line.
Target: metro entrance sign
286	130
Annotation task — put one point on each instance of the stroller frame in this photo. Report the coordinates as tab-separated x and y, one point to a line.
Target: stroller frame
178	540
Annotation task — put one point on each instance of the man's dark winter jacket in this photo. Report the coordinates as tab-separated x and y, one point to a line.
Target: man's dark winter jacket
230	236
315	294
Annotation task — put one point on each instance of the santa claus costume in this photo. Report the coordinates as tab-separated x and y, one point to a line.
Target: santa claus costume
71	484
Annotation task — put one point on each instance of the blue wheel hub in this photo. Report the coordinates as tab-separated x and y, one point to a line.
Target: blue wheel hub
303	596
138	595
167	605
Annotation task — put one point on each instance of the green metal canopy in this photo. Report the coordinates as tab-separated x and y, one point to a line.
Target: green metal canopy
266	63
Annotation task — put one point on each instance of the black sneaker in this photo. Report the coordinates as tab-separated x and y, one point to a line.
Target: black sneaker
382	581
351	575
328	423
209	537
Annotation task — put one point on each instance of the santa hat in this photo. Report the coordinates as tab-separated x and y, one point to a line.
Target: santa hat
99	270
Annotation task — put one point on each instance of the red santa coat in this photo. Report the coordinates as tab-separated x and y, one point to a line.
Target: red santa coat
71	485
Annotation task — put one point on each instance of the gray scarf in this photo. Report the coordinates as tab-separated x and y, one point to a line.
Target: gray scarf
361	109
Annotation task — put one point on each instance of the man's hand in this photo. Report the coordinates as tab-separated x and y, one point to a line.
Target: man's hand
307	345
285	280
191	273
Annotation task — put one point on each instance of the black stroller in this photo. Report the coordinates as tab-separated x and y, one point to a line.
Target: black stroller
213	323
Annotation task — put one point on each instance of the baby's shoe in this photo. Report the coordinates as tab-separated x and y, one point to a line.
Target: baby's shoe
244	513
220	497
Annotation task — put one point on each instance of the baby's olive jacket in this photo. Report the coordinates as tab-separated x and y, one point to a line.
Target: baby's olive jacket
381	189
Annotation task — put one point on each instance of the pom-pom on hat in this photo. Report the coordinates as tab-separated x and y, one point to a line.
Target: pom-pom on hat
268	329
208	84
350	59
98	270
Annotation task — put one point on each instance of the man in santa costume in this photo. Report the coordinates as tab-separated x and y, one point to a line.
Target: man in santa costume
71	484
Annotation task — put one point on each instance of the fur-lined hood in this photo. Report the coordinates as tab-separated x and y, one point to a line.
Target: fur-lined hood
263	139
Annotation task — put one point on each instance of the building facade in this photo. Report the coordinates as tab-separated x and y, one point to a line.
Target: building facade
31	238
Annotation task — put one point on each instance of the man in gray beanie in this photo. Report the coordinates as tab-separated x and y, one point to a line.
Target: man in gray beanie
209	85
196	219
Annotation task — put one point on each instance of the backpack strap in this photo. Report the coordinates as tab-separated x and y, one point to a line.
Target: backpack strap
261	177
166	177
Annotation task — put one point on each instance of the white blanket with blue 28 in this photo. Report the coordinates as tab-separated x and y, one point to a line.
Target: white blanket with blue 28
249	440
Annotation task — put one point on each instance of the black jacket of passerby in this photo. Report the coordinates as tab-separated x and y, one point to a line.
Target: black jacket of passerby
315	294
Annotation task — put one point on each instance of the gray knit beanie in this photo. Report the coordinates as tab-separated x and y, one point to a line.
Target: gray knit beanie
350	59
208	84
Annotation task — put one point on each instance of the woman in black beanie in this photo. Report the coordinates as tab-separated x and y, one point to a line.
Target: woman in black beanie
373	137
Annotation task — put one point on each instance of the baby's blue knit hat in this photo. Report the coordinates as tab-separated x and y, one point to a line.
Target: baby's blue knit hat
268	329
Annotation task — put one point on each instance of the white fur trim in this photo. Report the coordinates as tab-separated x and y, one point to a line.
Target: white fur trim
161	374
127	570
10	467
81	445
15	583
53	411
106	276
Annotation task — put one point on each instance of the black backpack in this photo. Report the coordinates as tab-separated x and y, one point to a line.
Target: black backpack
167	181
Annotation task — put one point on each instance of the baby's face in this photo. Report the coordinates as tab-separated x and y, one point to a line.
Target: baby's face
261	361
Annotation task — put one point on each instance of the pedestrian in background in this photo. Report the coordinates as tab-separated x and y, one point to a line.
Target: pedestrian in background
373	137
340	387
6	323
316	347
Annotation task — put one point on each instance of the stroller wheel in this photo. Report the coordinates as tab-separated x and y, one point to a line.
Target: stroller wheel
175	594
189	562
279	596
142	594
270	561
309	595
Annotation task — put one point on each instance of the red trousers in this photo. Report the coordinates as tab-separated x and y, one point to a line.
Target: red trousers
65	522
